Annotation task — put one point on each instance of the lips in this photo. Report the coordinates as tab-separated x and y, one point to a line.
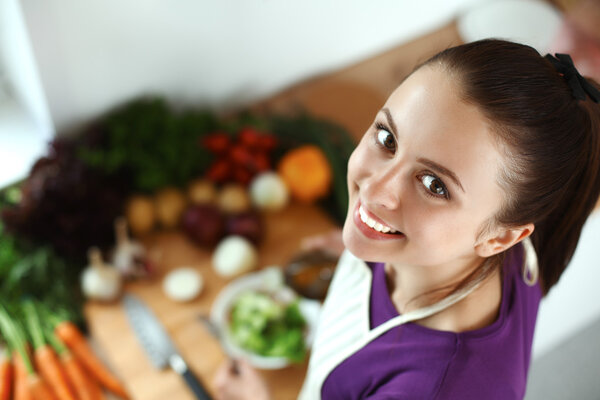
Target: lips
372	227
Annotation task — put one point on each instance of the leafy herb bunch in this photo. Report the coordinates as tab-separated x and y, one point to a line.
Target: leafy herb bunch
150	144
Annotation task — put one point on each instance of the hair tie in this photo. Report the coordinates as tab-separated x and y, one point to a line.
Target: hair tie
578	84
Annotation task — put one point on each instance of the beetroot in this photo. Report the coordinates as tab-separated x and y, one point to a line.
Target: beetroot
204	224
247	224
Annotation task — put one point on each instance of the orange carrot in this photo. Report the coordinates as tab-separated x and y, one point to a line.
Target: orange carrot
50	368
72	337
28	385
21	388
39	389
6	378
85	387
46	361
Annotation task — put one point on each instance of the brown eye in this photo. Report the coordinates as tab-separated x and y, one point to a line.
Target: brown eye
434	185
386	139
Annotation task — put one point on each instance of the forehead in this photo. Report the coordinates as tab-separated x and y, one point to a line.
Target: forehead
435	123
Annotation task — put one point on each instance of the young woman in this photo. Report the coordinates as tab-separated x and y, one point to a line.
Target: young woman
467	198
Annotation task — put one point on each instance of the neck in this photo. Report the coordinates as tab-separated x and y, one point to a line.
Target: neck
408	284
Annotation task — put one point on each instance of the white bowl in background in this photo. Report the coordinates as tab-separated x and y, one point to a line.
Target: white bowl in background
531	22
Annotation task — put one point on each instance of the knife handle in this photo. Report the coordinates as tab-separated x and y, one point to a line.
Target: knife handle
193	383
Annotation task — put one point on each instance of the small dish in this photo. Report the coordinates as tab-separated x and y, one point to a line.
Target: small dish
310	273
269	280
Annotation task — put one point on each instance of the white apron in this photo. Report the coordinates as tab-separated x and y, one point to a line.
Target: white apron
344	326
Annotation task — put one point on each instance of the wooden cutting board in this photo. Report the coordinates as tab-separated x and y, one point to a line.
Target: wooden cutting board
116	341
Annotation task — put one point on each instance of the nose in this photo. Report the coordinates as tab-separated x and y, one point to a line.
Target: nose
382	188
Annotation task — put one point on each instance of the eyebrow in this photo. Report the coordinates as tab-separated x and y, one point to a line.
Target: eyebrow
441	170
390	120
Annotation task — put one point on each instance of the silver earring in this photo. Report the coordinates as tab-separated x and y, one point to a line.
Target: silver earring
530	266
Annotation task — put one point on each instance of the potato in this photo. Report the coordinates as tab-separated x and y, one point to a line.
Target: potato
169	204
140	214
233	199
202	191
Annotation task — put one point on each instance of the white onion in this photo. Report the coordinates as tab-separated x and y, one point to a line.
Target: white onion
183	284
269	192
234	255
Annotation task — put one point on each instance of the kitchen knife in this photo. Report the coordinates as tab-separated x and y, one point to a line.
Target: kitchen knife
157	344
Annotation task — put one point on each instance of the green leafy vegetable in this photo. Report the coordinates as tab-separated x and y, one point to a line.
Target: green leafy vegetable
267	327
150	143
37	272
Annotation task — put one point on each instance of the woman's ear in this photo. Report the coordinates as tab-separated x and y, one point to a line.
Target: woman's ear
502	239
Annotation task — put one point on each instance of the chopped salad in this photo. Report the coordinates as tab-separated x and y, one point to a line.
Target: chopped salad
268	327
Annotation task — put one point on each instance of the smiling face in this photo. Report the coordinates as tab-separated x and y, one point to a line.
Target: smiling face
427	169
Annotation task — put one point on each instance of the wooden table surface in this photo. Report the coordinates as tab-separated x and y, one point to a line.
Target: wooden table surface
118	345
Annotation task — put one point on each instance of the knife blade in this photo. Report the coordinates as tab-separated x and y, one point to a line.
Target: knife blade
158	345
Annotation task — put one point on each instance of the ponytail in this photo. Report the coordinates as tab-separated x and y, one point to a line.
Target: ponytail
555	238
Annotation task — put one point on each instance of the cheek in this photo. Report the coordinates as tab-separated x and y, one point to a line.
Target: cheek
444	232
442	225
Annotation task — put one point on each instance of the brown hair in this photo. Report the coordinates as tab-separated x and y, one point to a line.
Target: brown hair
553	180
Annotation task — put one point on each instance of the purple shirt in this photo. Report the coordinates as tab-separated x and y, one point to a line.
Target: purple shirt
414	362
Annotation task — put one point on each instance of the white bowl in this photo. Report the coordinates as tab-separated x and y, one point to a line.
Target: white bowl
269	280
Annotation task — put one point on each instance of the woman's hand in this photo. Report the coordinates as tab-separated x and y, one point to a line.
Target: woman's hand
330	242
240	383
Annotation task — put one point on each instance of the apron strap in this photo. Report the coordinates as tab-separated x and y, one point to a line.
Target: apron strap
424	312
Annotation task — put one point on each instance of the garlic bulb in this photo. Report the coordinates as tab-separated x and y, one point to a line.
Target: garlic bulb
129	256
100	281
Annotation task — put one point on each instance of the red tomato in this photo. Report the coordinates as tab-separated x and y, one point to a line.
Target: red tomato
242	176
249	137
218	143
261	162
240	155
219	171
267	142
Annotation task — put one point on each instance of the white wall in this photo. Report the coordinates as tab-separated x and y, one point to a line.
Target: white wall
95	53
25	123
574	302
17	61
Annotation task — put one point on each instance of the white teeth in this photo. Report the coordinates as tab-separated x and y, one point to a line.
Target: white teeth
372	223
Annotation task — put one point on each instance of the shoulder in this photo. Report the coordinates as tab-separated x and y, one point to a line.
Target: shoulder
475	379
493	362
